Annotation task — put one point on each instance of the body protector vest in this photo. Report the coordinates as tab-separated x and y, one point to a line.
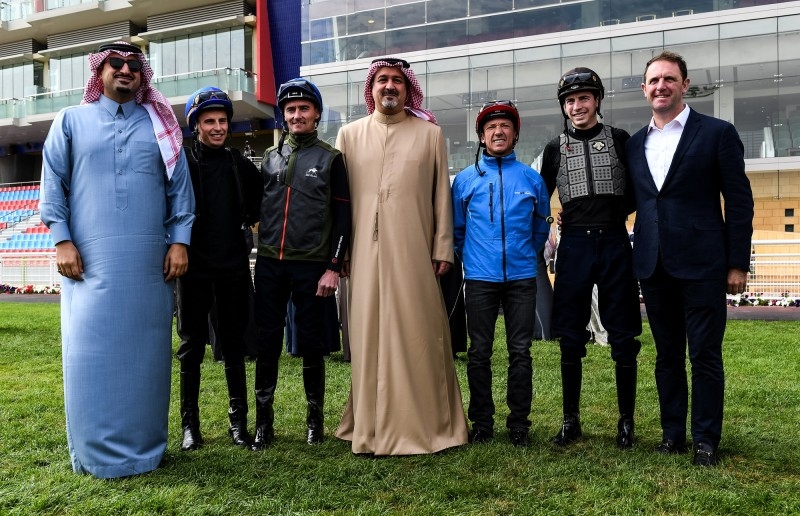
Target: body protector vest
296	218
589	168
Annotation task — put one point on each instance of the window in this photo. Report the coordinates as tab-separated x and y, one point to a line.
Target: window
789	228
788	212
68	72
212	50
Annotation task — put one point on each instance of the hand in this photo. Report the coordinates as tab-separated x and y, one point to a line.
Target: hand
737	281
441	268
328	283
176	263
68	260
559	223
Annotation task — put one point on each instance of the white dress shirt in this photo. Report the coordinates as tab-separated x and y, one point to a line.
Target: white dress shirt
660	145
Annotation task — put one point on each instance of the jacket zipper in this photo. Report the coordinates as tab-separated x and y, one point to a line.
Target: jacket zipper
589	171
502	214
285	221
287	182
491	202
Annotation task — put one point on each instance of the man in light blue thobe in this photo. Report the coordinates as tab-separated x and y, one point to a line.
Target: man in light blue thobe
118	200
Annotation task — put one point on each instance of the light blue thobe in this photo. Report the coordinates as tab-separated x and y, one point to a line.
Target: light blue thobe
104	187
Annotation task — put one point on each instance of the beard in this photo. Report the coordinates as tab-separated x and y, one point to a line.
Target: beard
123	88
389	103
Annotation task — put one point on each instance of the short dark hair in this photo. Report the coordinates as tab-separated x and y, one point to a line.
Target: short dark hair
672	57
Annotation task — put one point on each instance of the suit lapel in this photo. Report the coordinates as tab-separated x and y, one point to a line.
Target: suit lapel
642	157
688	134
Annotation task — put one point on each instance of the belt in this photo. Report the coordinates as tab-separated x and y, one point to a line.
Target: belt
594	230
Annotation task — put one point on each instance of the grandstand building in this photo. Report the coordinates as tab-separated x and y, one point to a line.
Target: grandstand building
743	55
189	43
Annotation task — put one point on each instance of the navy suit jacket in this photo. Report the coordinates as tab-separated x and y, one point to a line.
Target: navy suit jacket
684	222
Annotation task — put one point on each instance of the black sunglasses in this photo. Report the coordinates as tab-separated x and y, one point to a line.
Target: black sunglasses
498	103
575	77
134	65
392	61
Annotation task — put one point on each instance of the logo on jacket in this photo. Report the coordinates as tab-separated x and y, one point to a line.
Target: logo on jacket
598	146
311	172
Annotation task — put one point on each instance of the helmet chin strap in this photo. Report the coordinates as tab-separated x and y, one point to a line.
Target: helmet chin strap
564	112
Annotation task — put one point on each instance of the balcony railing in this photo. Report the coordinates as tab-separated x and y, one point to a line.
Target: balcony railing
21	9
228	79
50	102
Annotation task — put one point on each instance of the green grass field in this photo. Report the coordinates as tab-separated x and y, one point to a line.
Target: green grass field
760	452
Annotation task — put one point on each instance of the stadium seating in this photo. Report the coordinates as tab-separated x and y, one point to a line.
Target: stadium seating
18	204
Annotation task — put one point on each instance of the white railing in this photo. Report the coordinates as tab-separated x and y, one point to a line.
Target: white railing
775	269
37	268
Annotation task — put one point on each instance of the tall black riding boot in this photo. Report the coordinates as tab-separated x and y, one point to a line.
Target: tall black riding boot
314	383
266	382
190	411
626	399
571	377
237	409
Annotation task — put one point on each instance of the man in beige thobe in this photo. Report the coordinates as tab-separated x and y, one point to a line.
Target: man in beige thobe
404	397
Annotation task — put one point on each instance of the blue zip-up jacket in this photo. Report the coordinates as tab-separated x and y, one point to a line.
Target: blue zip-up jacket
499	219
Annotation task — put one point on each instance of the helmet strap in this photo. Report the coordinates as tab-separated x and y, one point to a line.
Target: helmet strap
197	150
477	159
282	139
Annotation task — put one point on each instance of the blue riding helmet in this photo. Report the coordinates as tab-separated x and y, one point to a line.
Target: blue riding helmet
207	98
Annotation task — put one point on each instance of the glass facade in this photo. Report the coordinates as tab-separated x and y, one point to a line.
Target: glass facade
221	58
746	71
68	72
341	30
19	9
20	80
203	52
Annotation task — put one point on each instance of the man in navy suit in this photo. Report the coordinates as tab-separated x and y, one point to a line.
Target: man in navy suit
689	250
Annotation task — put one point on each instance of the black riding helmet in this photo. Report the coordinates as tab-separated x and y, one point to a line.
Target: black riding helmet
580	79
297	89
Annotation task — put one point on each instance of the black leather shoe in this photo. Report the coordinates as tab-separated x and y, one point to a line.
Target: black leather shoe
704	455
237	415
239	435
570	430
519	437
192	440
315	432
479	435
625	434
669	447
265	435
